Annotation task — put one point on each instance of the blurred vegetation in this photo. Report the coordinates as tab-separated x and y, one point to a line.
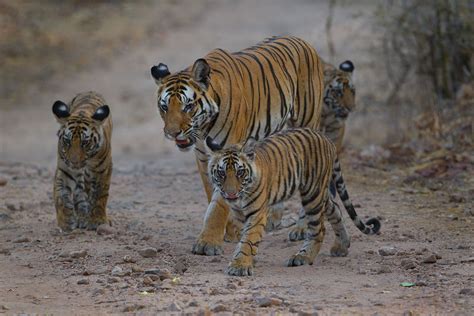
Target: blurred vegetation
43	40
428	54
429	42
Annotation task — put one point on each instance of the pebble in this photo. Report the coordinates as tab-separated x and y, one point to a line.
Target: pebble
78	254
21	240
3	182
430	259
384	269
149	252
129	259
467	291
148	281
387	251
117	271
268	301
408	264
137	269
132	308
193	304
113	280
83	281
219	308
105	229
4	307
162	273
174	307
97	292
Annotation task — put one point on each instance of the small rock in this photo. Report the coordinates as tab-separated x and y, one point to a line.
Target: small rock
268	301
430	259
137	269
98	292
83	281
113	280
105	229
387	251
219	308
408	264
4	308
149	252
3	182
231	286
132	308
174	307
165	274
307	313
467	291
193	304
180	267
129	259
21	240
384	269
118	271
455	198
147	281
78	254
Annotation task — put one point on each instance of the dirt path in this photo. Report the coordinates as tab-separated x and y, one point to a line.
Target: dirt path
157	202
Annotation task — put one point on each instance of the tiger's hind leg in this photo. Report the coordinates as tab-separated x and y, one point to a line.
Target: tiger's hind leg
342	242
315	230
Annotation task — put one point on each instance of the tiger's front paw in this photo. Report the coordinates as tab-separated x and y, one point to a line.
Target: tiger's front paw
297	233
299	260
201	247
239	268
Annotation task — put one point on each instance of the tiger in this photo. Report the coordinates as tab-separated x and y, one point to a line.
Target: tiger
232	97
338	102
84	161
253	176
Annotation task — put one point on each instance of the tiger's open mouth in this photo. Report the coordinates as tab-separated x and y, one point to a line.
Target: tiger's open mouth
184	143
230	196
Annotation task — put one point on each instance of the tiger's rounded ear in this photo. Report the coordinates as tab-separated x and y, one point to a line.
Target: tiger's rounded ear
249	148
201	71
213	146
101	113
60	110
159	72
347	66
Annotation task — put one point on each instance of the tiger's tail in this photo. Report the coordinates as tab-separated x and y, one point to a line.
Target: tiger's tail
372	226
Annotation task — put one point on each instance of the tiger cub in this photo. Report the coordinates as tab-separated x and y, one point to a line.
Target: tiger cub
82	179
338	102
257	175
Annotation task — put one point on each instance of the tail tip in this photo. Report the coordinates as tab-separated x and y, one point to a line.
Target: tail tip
375	225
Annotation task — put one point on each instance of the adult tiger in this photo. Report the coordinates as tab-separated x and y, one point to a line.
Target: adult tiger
233	96
82	180
254	176
338	101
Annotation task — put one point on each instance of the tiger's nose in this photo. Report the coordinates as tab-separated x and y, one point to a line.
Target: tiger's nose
172	134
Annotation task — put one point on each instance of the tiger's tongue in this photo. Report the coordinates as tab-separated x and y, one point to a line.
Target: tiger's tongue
182	141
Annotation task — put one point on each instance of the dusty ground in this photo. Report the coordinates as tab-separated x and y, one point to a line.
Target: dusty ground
157	200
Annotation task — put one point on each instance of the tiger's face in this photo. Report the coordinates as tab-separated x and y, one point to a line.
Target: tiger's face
339	89
80	135
184	103
232	171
